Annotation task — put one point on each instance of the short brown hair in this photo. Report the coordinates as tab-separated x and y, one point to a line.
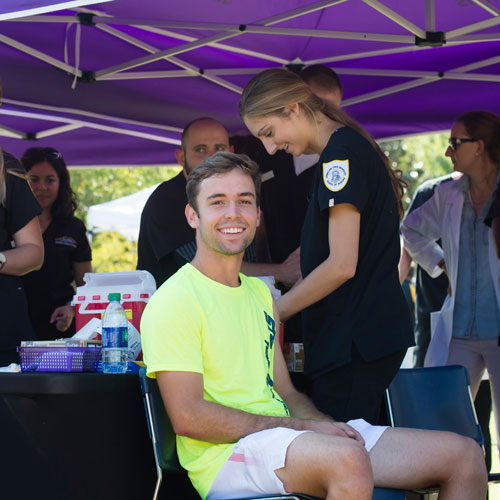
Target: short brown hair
221	163
323	76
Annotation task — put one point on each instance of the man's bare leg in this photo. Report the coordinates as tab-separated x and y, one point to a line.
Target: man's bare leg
326	466
411	458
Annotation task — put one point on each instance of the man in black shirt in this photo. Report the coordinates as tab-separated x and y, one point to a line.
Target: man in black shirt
166	241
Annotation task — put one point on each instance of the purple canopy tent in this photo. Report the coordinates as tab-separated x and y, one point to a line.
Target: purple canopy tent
115	83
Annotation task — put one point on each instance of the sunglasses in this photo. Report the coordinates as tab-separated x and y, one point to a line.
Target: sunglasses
453	142
34	152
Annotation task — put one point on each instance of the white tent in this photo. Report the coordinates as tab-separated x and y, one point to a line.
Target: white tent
122	215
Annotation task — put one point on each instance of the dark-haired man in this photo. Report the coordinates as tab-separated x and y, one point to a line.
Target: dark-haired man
166	241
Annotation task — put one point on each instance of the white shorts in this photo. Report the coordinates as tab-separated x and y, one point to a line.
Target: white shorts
249	471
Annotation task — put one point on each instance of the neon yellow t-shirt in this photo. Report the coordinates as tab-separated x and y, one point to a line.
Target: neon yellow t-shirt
195	324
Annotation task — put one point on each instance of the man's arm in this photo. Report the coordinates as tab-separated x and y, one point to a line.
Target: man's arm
299	405
288	272
192	416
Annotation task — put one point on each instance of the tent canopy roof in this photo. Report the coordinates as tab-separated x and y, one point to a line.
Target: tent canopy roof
116	82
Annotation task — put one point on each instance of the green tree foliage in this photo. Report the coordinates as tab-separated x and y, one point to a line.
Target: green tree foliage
111	251
419	158
99	185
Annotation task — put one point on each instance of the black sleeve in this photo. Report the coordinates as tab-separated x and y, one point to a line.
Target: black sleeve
20	202
342	178
83	253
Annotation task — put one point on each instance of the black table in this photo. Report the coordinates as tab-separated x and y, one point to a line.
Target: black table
77	436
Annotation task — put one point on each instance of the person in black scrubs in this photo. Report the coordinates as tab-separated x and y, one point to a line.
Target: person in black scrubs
357	324
67	251
18	225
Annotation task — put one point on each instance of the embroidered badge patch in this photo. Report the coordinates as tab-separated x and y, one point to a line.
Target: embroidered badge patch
336	174
67	241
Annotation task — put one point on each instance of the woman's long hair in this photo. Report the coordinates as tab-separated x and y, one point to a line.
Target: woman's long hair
485	126
272	90
65	205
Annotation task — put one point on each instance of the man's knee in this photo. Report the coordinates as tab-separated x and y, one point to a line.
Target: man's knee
355	474
319	463
472	463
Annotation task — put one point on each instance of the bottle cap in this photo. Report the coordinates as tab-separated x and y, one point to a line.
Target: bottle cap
114	296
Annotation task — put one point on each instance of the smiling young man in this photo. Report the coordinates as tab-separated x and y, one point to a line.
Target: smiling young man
209	337
166	241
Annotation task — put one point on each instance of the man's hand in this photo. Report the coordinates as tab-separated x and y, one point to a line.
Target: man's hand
334	428
62	316
289	270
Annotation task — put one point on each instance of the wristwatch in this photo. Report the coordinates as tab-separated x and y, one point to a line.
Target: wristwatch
3	260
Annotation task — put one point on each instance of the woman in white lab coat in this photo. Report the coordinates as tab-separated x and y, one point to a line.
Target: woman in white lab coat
466	329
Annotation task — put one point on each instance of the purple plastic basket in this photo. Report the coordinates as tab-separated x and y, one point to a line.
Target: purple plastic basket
59	359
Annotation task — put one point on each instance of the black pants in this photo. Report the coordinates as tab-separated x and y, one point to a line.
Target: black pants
356	390
482	404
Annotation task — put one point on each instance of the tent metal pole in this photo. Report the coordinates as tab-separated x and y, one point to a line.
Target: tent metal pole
475	77
361	55
39	55
222	46
430	16
216	38
45	19
483	37
494	21
479	64
163	54
487	6
452	75
270	30
90	114
147	75
457	73
175	60
57	130
388	91
10	132
394	16
96	126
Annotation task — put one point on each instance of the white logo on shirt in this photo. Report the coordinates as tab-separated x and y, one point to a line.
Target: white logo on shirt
336	174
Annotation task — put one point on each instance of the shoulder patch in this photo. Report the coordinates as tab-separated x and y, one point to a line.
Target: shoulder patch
336	174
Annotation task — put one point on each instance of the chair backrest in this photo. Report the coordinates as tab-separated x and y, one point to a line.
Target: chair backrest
436	398
162	433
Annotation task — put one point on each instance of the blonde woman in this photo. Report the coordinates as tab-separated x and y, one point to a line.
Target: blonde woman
356	321
21	251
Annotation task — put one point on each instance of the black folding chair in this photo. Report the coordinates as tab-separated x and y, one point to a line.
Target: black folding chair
437	398
163	439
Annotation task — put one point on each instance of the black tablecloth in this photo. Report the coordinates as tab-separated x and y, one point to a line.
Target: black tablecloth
72	436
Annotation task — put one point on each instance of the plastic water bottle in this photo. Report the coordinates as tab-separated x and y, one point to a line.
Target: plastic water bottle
114	336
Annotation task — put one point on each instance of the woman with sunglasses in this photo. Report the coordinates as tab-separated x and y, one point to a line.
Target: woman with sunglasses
21	251
356	322
465	331
67	252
